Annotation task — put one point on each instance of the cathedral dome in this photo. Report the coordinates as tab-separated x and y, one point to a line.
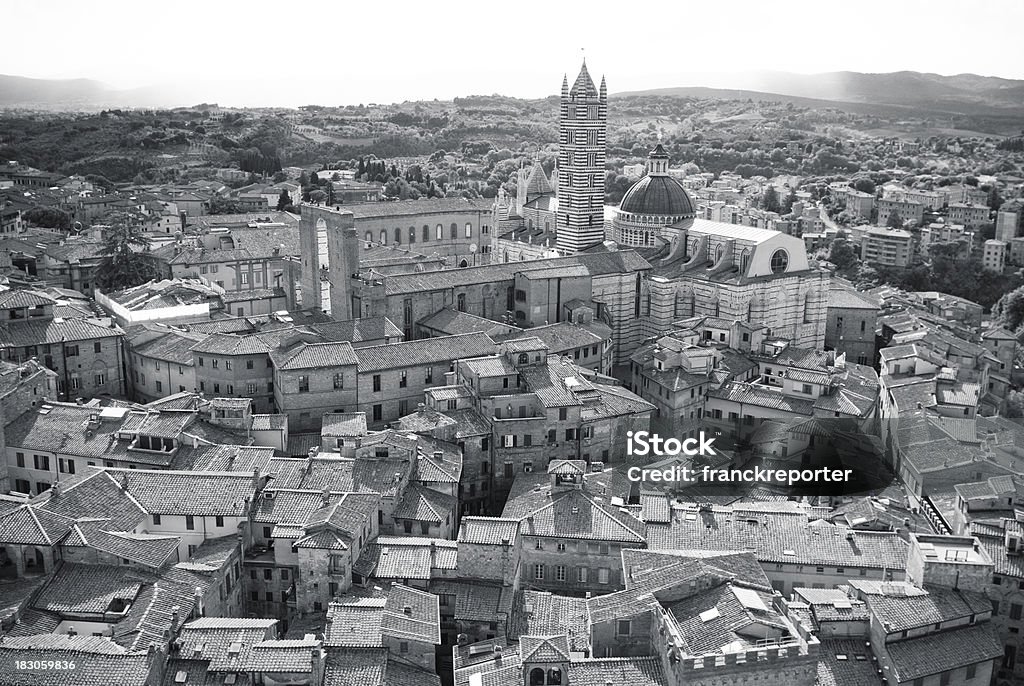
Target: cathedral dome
658	194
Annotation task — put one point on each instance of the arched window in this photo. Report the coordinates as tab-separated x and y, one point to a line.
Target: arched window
369	237
504	255
460	302
524	358
426	233
439	232
398	236
463	263
412	234
718	252
554	676
780	260
744	259
383	236
469	230
453	230
536	677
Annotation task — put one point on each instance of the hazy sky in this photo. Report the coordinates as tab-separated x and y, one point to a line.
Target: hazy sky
350	51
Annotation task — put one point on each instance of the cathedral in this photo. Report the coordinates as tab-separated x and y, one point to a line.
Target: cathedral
698	267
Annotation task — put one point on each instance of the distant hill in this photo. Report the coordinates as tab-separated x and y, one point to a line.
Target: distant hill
962	93
20	91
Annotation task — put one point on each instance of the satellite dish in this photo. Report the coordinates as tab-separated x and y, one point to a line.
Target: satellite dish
472	247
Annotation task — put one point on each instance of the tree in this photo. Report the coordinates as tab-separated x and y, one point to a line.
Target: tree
787	204
284	200
894	221
864	185
124	262
221	205
1009	309
842	254
770	200
1015	404
48	217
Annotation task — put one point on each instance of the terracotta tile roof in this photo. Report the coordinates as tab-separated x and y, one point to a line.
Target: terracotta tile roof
943	651
902	606
538	613
88	589
204	494
28	525
412	614
338	474
855	667
315	356
636	671
488	530
778	538
715	620
355	666
425	504
98	661
30	333
393	557
474	601
355	624
573	514
343	424
401	674
424	351
146	549
554	648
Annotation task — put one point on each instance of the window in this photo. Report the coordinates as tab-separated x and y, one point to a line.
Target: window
216	388
303	383
403	647
944	679
972	671
159	386
1015	610
41	462
71	351
453	230
376	383
339	381
201	362
779	261
403	379
227	365
99	378
284	575
439	232
97	347
560	573
602	575
216	363
378	413
219	521
428	375
622	627
538	572
190	522
250	389
426	233
268	574
581	575
469	230
249	364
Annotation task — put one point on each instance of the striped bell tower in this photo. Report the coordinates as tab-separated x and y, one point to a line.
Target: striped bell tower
582	145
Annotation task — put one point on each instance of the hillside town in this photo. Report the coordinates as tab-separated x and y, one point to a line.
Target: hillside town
366	421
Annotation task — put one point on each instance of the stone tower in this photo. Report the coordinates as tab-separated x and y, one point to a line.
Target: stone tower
582	143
